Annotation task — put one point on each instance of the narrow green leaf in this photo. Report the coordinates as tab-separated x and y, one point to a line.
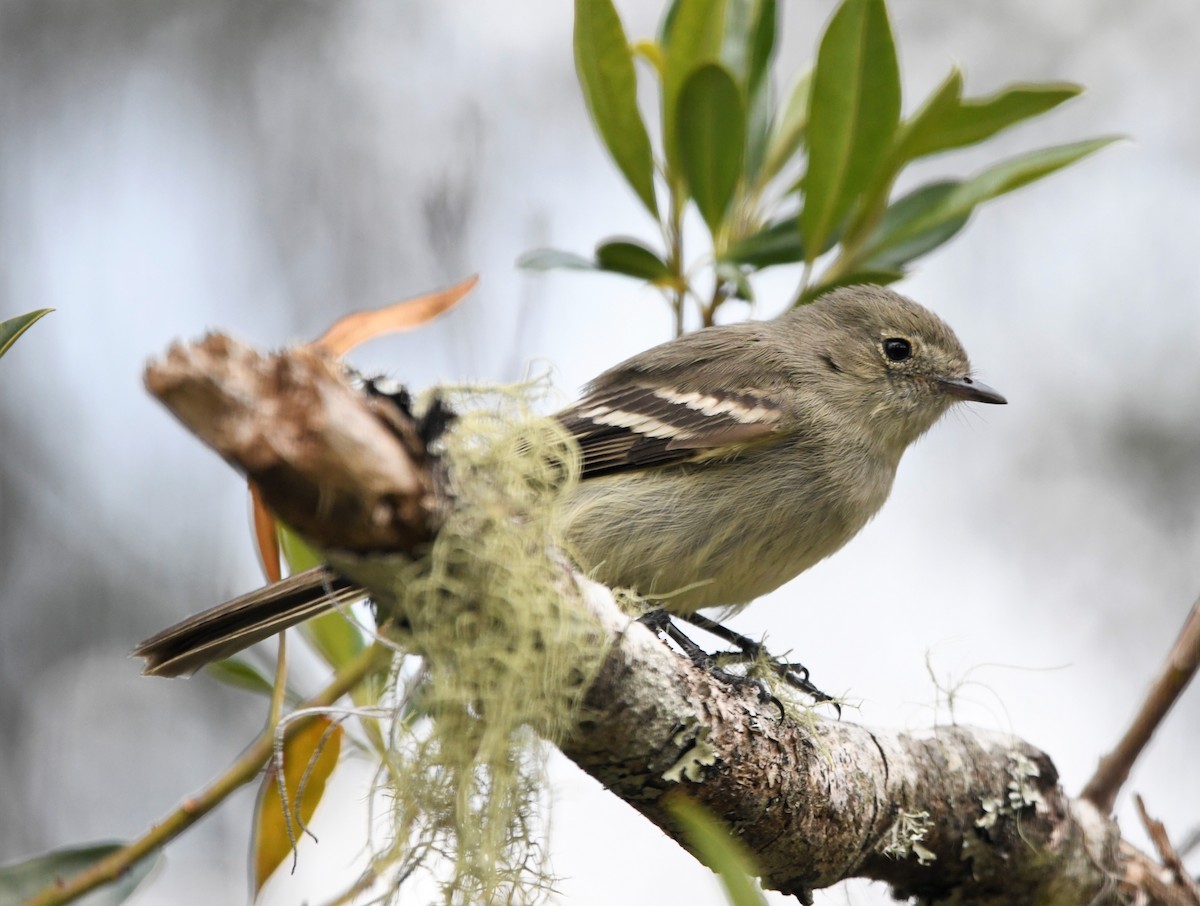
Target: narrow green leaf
789	130
946	121
19	881
604	63
851	278
335	637
236	672
940	105
778	243
991	183
735	38
14	327
553	259
632	258
299	554
719	850
938	108
748	41
762	45
712	131
894	245
854	112
694	38
667	25
757	87
758	133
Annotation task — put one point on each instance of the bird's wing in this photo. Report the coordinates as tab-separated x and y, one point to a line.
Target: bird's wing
638	427
659	409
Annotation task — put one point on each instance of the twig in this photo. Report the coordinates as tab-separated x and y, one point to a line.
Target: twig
244	770
1185	886
1177	672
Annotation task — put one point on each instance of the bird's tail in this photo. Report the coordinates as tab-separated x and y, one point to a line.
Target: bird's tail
228	628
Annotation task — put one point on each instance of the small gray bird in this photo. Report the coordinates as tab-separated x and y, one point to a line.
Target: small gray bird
716	466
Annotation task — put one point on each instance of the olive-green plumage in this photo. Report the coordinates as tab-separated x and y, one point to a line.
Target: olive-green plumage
816	415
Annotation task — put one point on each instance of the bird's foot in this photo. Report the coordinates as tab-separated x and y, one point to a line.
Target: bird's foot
749	652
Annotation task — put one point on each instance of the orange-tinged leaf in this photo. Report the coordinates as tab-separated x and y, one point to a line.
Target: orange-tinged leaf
360	326
309	757
266	536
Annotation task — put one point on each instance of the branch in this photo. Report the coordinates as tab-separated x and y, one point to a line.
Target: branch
325	457
952	813
1180	666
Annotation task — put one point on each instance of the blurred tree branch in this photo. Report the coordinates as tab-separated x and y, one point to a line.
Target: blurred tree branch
1177	672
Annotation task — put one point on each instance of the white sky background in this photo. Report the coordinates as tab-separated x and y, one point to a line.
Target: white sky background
263	168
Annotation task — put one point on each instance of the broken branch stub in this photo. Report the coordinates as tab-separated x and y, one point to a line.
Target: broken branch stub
344	469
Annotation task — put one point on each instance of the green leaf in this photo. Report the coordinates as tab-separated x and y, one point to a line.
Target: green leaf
789	130
854	112
19	881
299	554
667	25
334	637
894	245
760	48
748	41
778	243
712	130
990	183
693	38
309	758
762	45
946	121
719	850
632	258
14	327
236	672
604	63
735	38
553	259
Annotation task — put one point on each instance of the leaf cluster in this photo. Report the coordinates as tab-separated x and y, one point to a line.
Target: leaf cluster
802	176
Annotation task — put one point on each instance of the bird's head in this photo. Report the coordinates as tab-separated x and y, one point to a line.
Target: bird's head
889	363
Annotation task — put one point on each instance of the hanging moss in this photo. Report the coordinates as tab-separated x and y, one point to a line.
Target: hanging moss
505	656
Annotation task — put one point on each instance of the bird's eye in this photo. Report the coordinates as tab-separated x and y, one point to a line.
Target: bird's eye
897	349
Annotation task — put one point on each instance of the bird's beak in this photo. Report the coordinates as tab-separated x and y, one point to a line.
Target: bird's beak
965	388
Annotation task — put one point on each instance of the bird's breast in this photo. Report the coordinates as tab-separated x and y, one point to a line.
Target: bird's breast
722	534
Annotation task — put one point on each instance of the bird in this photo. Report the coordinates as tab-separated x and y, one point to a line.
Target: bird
716	466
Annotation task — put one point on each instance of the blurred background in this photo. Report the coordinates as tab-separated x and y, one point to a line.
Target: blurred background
169	167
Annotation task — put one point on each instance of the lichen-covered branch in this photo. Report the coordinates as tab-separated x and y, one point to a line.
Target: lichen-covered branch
952	814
